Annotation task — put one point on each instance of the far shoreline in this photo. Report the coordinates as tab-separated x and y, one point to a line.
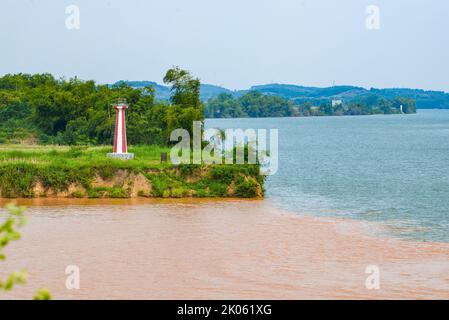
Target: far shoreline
336	116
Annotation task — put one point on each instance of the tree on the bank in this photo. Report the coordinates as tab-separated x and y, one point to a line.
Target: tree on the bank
251	104
185	98
185	89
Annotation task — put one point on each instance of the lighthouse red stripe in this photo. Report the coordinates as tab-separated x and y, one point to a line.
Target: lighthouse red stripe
124	148
116	132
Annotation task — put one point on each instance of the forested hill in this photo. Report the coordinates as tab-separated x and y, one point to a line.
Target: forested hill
314	95
424	99
162	92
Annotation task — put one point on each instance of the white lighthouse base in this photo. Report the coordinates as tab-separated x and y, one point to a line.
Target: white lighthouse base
123	156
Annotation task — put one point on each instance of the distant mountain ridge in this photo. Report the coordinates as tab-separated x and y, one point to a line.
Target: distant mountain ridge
208	91
316	95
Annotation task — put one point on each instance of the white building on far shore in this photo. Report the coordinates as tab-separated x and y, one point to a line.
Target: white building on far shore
336	103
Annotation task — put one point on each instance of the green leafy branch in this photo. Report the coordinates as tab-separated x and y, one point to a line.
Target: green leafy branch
9	231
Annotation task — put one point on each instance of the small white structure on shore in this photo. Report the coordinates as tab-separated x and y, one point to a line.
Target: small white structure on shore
120	142
336	103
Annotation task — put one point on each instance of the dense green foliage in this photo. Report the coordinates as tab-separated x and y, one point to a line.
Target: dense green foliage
257	104
242	181
185	98
73	171
251	104
40	108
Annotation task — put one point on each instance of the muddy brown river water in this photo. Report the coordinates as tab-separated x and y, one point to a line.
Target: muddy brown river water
202	249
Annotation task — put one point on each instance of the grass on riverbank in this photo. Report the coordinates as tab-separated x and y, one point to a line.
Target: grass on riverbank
40	171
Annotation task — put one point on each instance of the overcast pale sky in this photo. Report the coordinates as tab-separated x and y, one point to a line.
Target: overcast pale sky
233	43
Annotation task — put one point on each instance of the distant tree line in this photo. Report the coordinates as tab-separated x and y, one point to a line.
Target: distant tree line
40	108
252	104
256	104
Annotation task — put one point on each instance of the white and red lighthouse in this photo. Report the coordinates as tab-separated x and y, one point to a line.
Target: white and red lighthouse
120	143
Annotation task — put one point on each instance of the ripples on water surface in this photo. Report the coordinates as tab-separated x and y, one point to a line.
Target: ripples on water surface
393	169
211	249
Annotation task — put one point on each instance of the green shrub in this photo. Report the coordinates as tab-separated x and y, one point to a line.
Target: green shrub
188	169
93	194
179	193
202	194
222	173
219	189
141	193
118	193
78	194
105	171
166	194
17	180
246	188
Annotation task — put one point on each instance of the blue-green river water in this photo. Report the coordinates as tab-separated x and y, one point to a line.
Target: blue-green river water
388	168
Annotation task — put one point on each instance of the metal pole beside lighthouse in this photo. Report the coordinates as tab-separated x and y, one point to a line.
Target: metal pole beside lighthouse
120	143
